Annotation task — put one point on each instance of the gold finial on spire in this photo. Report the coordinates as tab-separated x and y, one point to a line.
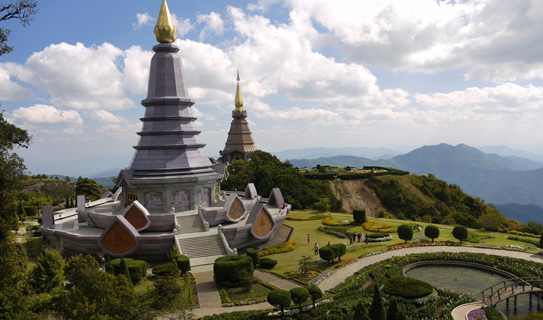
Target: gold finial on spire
239	97
165	31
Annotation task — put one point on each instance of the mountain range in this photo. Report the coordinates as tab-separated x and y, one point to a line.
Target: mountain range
496	179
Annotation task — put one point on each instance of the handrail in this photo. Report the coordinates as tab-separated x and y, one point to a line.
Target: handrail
509	290
204	222
229	251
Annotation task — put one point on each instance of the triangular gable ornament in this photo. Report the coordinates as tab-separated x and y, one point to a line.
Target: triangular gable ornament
138	216
120	239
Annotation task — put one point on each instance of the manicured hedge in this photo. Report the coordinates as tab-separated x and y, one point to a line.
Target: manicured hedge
228	270
183	263
267	263
329	253
408	288
136	268
359	215
251	252
166	269
377	235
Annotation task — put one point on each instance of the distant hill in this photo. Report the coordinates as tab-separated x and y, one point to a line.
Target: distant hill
494	178
314	153
522	212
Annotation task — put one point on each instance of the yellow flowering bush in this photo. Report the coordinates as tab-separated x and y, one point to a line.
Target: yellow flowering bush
280	248
368	226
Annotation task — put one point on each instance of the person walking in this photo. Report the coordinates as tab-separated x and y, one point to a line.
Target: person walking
366	240
308	238
359	236
316	249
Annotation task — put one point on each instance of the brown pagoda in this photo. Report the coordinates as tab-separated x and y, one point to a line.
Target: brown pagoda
240	144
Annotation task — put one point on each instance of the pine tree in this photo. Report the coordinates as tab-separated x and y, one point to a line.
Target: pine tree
360	311
377	311
392	312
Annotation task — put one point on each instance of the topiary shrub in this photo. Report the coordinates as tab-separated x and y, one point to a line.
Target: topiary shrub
166	269
327	253
136	268
267	263
340	249
408	288
227	270
314	292
254	255
359	215
431	232
405	232
183	263
460	233
299	295
280	299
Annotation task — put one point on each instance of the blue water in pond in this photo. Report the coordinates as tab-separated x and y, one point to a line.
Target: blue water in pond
473	281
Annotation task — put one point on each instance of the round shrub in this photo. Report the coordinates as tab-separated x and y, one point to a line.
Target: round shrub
267	263
251	252
227	270
279	299
408	288
166	269
431	232
183	263
299	295
405	232
327	253
460	233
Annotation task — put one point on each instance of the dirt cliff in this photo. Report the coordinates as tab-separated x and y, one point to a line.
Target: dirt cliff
355	194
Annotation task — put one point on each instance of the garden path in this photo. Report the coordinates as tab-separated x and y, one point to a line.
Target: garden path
210	301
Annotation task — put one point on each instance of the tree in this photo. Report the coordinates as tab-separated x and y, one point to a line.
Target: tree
405	232
89	188
431	232
280	299
22	10
460	233
11	173
360	311
305	264
48	274
315	293
393	311
377	310
299	295
322	205
492	220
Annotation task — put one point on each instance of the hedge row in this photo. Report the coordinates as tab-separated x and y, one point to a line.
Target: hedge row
228	271
136	268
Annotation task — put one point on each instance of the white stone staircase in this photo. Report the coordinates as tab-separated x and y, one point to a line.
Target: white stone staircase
189	224
202	247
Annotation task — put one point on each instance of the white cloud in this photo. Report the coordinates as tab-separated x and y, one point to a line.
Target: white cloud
10	90
105	116
78	77
144	19
40	114
213	24
136	69
120	131
182	26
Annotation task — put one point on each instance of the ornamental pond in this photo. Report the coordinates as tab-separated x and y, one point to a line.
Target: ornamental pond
472	281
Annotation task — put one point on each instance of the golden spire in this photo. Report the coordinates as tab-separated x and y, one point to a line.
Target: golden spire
165	31
239	97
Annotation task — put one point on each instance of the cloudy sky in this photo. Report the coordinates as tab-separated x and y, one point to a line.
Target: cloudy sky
391	73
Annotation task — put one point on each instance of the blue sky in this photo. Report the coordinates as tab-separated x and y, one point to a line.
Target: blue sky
394	74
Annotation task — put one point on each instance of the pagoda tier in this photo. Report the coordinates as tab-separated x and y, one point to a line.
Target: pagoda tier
168	144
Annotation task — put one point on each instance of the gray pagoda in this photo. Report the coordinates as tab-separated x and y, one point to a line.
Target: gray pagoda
239	144
169	170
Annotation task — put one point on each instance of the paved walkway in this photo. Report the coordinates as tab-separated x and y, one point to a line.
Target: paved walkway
210	300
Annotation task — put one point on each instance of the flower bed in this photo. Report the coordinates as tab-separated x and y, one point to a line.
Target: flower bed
423	244
280	248
387	237
238	296
386	228
345	262
328	221
318	279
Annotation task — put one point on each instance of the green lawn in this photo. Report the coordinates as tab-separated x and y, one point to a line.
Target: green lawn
289	261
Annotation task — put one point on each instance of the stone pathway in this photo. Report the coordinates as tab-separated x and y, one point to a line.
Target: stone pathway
210	300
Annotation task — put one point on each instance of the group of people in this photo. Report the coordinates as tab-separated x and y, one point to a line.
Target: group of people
353	236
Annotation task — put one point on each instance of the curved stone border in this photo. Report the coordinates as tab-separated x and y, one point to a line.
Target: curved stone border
474	265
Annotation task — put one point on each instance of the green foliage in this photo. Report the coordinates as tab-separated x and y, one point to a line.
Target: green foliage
492	313
405	232
335	231
183	263
408	288
167	291
304	265
228	270
460	233
48	274
299	295
267	263
246	280
251	252
31	211
427	198
377	310
492	220
392	312
330	252
360	311
535	242
359	215
280	299
267	172
314	292
166	269
431	232
323	205
89	188
13	261
11	171
137	269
